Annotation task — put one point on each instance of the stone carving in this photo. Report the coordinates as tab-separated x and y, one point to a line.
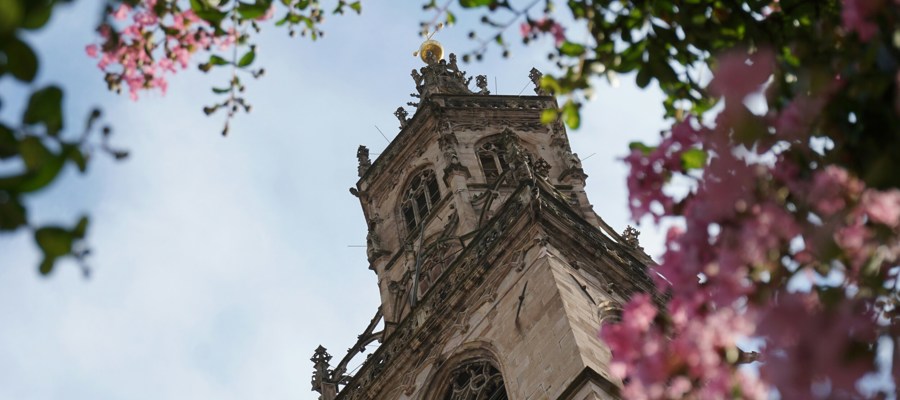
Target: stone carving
609	311
481	83
322	379
630	234
535	77
518	262
440	76
572	160
542	168
516	156
374	249
401	116
448	142
362	154
417	78
557	137
461	322
573	166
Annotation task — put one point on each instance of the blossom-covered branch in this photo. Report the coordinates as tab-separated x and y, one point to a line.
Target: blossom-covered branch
788	240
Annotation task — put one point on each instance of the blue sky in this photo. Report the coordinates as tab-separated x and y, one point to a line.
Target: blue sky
221	263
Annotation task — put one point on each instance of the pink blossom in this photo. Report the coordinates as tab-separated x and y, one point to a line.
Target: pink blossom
803	332
831	189
544	25
794	120
122	12
856	17
145	18
525	29
882	207
750	226
558	33
138	59
740	74
650	172
226	41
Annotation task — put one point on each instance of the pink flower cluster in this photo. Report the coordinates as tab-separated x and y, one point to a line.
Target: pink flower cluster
857	15
151	44
544	25
756	222
651	171
684	366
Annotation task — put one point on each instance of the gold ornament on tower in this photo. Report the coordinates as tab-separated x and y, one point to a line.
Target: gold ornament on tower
430	47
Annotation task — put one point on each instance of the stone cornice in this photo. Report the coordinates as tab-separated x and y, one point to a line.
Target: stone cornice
434	107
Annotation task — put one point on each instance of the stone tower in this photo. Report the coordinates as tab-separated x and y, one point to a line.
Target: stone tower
494	271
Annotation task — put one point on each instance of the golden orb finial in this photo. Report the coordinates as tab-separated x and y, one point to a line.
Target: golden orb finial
430	47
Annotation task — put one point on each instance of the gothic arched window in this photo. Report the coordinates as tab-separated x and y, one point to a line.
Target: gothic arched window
421	196
477	380
493	160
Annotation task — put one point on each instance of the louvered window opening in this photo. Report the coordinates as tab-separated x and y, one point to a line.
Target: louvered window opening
476	381
421	197
493	161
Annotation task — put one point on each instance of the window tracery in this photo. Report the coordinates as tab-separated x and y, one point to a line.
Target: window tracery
421	196
492	156
477	380
437	258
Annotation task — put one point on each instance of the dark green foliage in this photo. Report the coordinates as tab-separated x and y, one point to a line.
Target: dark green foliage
676	44
35	141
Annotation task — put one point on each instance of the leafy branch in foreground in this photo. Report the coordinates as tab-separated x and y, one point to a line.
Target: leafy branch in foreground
141	43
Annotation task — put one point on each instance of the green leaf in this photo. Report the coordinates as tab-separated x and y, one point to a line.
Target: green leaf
76	156
20	61
47	265
643	77
474	3
54	241
43	166
548	116
693	159
451	18
45	107
37	17
571	114
10	15
571	49
642	147
33	152
550	84
253	10
9	145
217	60
356	6
80	228
221	90
12	213
208	13
247	59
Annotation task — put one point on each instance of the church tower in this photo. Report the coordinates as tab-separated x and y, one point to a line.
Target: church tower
495	273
